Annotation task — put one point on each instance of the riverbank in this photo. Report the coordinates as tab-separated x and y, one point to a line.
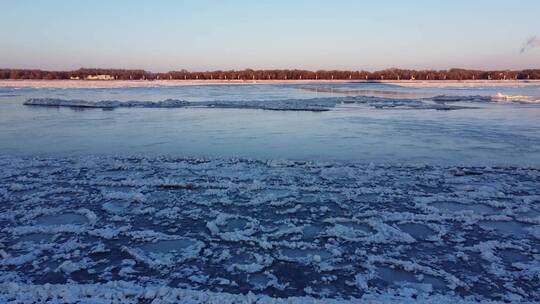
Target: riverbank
67	84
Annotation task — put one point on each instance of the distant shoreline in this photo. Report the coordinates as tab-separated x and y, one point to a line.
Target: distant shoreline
66	84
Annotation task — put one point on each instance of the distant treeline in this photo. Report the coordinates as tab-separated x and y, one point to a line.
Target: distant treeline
248	74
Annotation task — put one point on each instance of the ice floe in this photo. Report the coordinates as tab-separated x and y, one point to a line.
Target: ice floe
237	230
443	103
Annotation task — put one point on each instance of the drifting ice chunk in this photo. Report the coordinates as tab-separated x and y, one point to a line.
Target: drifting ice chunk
418	231
457	207
172	245
506	227
394	276
62	219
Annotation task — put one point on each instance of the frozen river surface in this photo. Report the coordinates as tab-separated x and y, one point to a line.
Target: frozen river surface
263	194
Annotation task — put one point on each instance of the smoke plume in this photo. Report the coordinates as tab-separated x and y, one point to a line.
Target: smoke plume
531	43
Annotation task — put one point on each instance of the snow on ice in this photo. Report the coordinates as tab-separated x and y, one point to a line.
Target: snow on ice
132	229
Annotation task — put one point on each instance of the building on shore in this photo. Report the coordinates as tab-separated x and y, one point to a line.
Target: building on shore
100	77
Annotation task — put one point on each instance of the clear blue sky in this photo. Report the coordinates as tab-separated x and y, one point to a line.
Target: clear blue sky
207	35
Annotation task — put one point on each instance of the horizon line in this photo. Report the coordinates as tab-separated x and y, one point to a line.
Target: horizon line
271	69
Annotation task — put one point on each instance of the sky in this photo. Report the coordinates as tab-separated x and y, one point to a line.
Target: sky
204	35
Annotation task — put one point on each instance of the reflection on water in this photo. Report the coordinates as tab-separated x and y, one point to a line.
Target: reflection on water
376	93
